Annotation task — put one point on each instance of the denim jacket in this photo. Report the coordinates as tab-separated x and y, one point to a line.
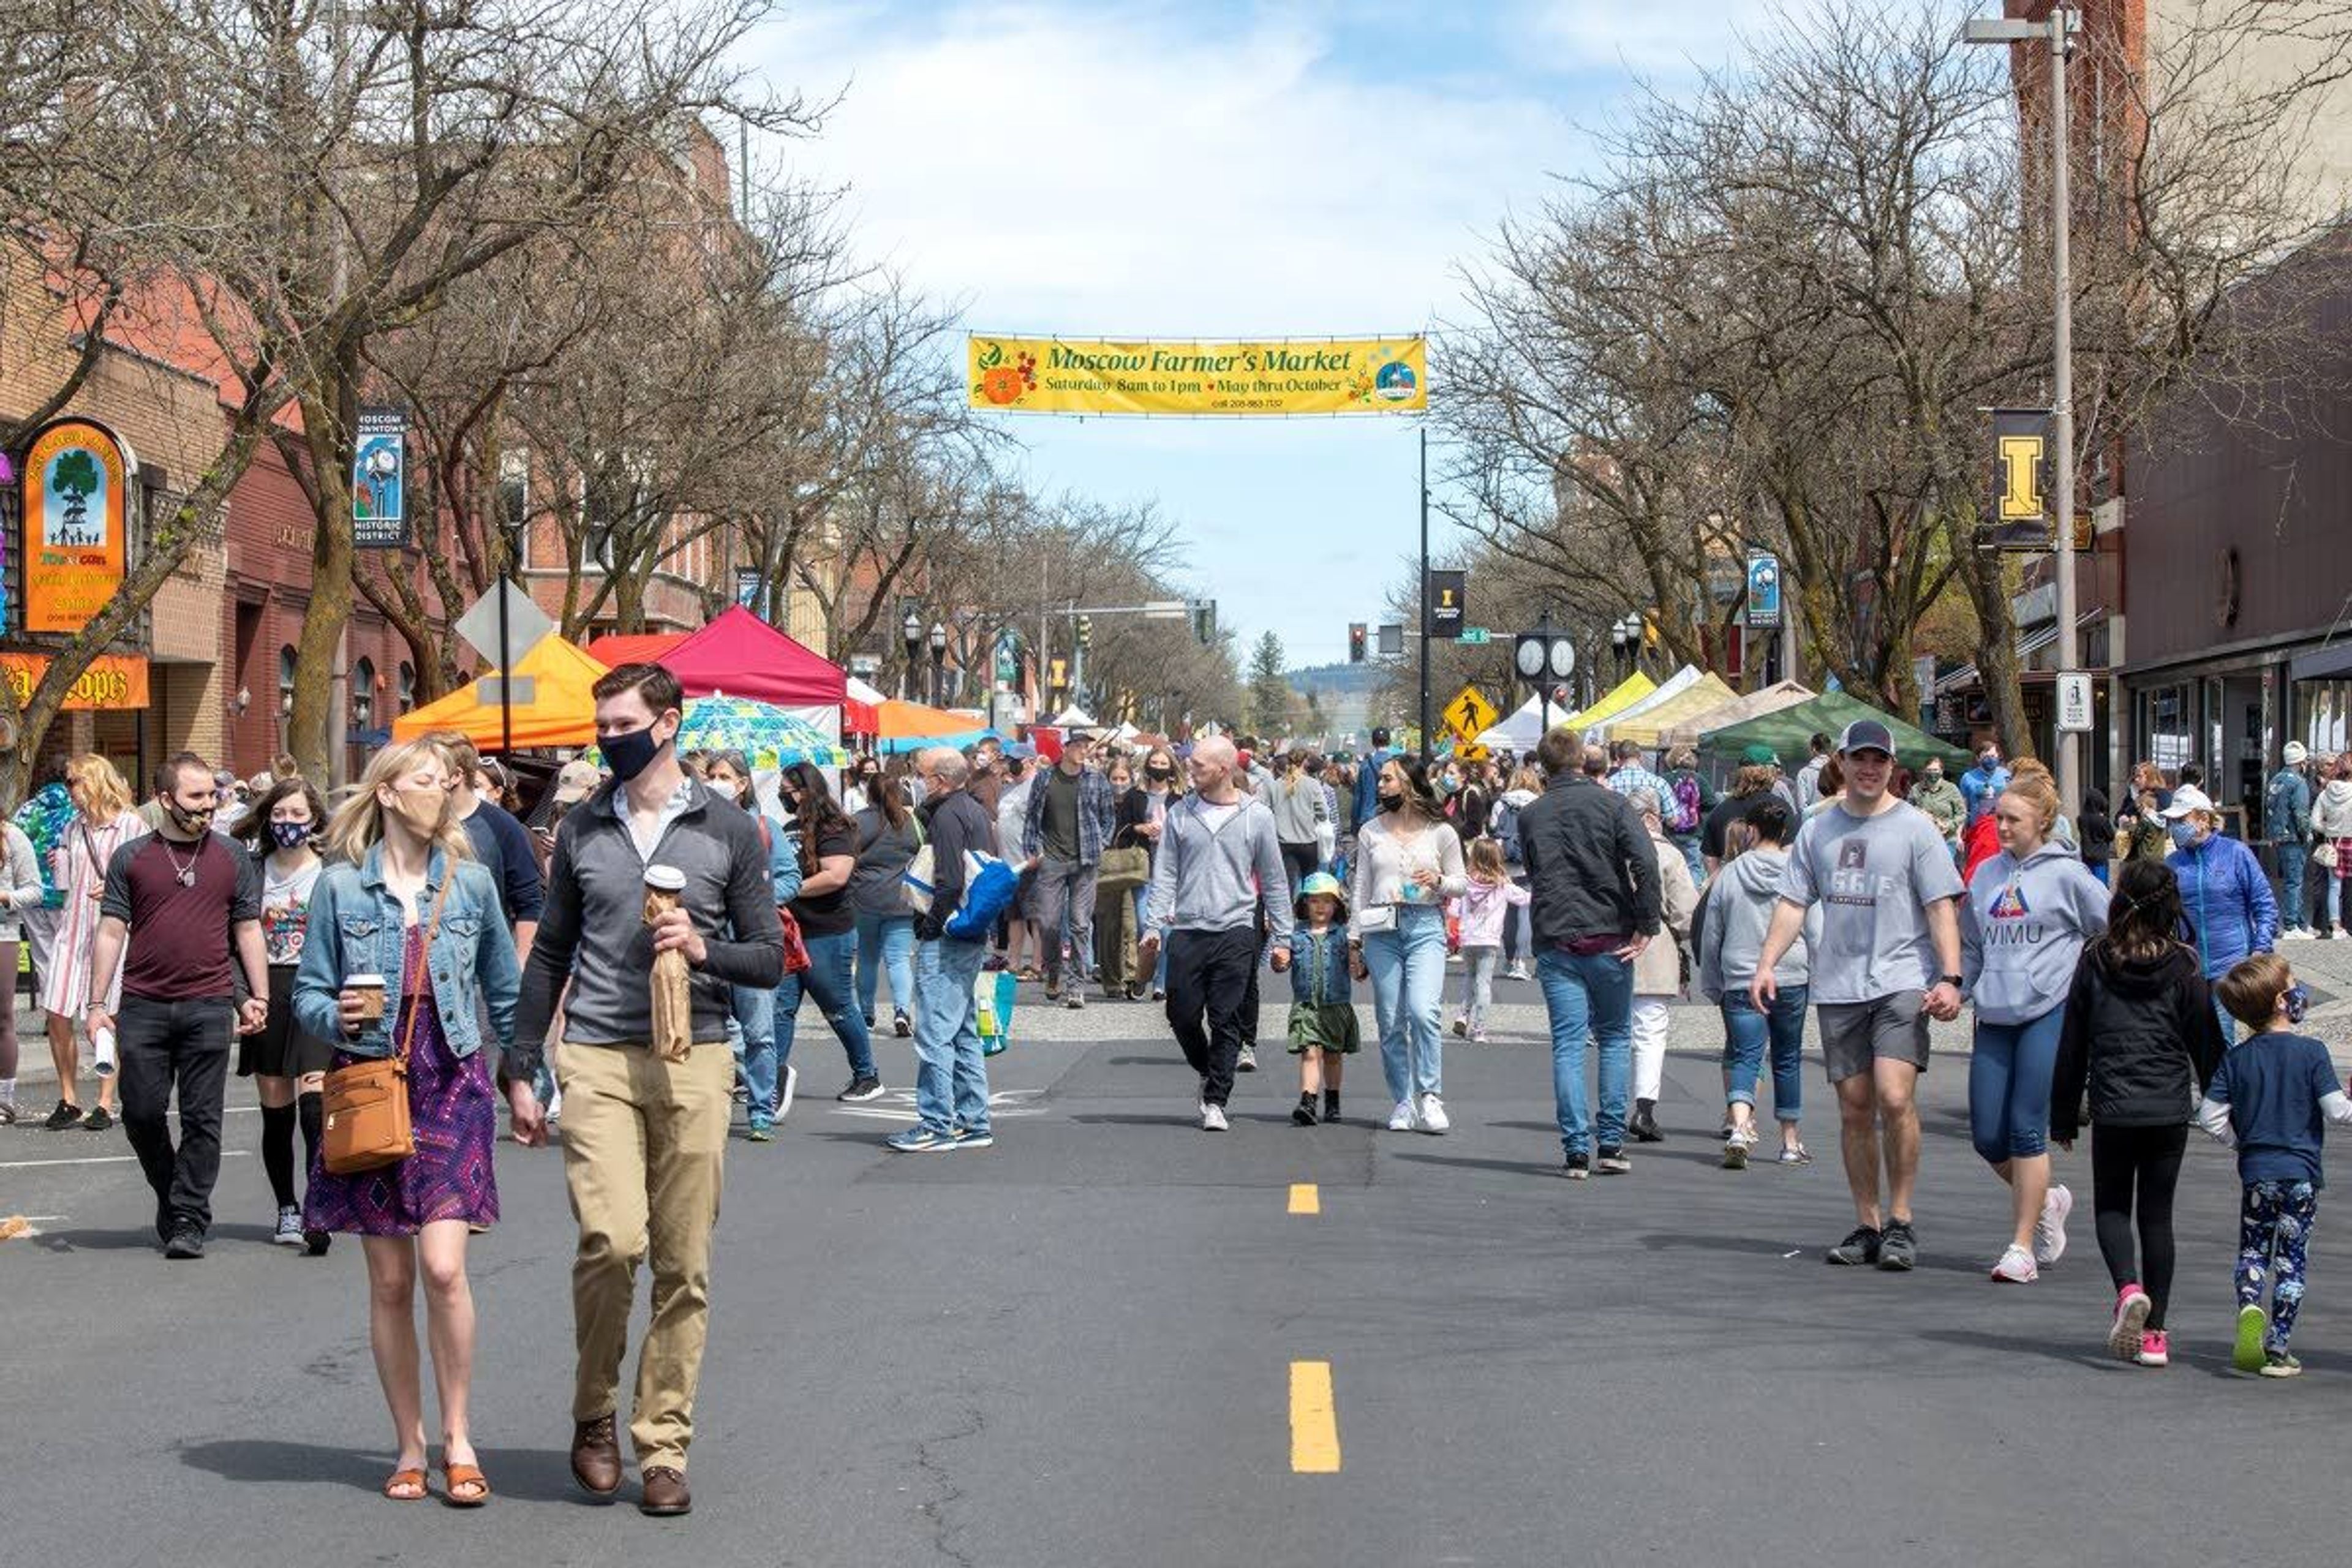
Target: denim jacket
1320	976
357	927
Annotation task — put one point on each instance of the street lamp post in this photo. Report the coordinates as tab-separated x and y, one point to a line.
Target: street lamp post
938	660
911	631
2009	30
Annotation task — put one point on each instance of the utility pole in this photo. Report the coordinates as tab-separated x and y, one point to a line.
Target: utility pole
1422	596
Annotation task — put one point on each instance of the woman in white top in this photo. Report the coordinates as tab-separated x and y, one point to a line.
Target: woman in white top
21	890
1407	862
106	824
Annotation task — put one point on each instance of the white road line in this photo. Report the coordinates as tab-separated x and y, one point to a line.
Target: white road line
106	1160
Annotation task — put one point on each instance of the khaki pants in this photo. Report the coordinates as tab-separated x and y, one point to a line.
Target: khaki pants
643	1139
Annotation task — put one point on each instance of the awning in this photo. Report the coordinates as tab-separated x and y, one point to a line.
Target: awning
2028	644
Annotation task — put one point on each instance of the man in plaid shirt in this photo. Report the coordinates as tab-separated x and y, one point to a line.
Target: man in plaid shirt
1630	775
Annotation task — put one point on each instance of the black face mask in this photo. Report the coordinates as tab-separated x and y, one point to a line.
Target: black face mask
1160	772
631	753
1391	802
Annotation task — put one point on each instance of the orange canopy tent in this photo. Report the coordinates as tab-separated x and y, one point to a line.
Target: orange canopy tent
560	708
908	726
618	649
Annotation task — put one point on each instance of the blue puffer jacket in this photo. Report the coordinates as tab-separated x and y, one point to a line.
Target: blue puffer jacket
2231	911
1318	968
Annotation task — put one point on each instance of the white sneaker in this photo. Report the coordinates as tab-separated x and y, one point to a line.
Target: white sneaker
1213	1119
2296	933
1517	972
2050	1230
2016	1266
2329	935
1433	1114
1401	1119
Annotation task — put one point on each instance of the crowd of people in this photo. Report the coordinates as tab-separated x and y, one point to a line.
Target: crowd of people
420	919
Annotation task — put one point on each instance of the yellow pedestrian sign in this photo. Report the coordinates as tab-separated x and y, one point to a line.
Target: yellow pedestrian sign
1470	715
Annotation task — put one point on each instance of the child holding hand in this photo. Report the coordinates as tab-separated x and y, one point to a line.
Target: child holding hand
1485	904
1323	1028
2271	1098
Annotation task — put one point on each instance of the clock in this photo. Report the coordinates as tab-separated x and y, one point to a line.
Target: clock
1564	658
1530	657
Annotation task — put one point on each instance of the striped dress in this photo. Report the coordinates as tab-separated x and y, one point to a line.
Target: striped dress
81	872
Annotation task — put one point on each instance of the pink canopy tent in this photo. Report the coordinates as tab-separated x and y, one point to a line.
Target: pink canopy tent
739	654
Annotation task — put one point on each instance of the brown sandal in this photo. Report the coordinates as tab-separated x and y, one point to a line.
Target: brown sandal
407	1478
456	1476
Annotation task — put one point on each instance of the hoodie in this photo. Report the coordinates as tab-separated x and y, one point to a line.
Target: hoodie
2022	926
1739	904
1482	909
2331	814
1504	823
2140	1035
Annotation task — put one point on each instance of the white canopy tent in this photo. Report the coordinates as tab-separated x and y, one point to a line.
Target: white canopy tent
1074	717
1522	730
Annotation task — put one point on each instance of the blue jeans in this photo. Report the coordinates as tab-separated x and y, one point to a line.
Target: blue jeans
950	1073
2009	1087
1744	1034
751	1026
2291	858
1408	967
886	941
1589	995
1688	845
828	980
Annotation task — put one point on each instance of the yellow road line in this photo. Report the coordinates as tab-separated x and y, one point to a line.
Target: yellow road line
1314	1422
1306	1197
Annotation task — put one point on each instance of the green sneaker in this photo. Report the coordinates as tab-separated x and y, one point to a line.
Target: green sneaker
2279	1363
762	1132
2246	1355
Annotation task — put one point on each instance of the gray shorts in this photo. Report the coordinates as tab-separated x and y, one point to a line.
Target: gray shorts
1890	1028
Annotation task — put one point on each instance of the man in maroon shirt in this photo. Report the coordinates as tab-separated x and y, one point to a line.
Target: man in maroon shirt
182	914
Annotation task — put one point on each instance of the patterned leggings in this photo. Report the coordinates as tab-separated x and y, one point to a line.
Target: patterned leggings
2274	1233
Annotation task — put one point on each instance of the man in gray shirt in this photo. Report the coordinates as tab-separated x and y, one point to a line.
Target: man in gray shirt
1067	823
1887	958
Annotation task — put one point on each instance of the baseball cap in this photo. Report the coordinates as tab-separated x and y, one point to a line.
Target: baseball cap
1867	735
1759	756
576	782
2188	798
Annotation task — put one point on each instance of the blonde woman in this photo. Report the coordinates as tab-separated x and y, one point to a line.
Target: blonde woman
401	901
106	822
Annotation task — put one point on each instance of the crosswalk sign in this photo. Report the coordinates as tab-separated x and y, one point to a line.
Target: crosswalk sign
1470	715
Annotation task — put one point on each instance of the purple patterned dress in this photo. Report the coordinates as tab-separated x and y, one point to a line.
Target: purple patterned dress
452	1114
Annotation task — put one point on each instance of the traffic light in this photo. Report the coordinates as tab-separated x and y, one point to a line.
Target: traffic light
1357	632
1086	631
1205	621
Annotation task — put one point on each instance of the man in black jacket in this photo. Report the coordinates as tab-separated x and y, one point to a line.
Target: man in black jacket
950	1071
1594	879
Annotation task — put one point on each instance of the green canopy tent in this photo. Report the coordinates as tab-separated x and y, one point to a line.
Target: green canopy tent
1788	732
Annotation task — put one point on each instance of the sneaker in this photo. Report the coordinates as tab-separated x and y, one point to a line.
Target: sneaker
1643	1123
901	1026
289	1226
967	1138
2016	1266
1303	1113
1158	994
1401	1119
316	1242
1580	1167
784	1092
1330	1105
2295	933
2279	1363
1461	1028
1797	1155
8	1114
1858	1250
1247	1060
1076	1001
1735	1153
1612	1162
919	1139
1433	1114
867	1087
2246	1352
1213	1119
1053	990
2050	1230
763	1131
2124	1335
1518	971
99	1120
186	1242
63	1116
2328	935
1898	1248
1478	1036
2153	1351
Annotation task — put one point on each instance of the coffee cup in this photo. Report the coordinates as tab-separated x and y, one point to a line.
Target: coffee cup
368	989
665	879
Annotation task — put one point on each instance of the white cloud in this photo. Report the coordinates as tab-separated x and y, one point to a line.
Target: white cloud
1665	36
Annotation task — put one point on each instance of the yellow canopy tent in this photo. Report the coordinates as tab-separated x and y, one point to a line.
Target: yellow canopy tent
1652	725
560	708
1627	692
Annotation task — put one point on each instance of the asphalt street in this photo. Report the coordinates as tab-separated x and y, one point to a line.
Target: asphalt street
1080	1347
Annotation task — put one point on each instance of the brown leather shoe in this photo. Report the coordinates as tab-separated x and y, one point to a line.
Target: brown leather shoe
596	1456
665	1491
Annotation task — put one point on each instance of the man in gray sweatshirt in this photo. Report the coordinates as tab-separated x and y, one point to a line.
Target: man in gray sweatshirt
1217	852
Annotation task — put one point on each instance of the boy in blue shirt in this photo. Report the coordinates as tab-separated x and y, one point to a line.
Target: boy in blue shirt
2272	1099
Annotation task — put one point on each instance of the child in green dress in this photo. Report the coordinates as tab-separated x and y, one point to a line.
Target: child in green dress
1323	1027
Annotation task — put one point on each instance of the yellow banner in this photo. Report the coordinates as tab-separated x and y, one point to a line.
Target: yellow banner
1274	375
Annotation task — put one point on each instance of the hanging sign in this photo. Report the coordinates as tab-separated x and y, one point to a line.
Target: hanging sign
1445	597
2022	448
380	479
1763	589
1276	375
113	682
77	478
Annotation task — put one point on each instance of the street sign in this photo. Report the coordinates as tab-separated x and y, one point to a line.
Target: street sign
1443	599
1469	715
380	479
526	624
1392	640
2074	708
1470	752
1477	636
747	588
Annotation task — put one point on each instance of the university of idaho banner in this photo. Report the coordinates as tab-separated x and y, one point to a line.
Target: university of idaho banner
1273	375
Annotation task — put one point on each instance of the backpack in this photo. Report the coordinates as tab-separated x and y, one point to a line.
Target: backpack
1503	826
1686	810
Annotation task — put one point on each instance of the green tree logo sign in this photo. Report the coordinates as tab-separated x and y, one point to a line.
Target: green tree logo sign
76	475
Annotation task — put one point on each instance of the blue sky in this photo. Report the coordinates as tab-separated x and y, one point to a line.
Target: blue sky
1215	169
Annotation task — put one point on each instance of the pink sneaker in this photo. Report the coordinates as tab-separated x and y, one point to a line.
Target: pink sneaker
2153	1351
2132	1308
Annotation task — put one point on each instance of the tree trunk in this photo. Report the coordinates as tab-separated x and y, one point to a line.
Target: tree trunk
1988	587
314	729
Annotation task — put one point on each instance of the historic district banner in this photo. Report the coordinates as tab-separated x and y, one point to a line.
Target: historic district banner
1273	376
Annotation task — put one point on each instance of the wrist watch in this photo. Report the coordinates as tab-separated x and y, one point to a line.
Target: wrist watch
1951	980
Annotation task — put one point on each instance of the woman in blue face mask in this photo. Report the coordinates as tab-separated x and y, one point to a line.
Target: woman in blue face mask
2223	890
287	1064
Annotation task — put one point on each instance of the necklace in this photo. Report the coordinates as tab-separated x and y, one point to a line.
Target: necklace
187	873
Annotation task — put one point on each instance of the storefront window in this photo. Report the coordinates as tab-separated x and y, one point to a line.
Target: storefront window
364	695
2169	720
2323	714
407	685
285	681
